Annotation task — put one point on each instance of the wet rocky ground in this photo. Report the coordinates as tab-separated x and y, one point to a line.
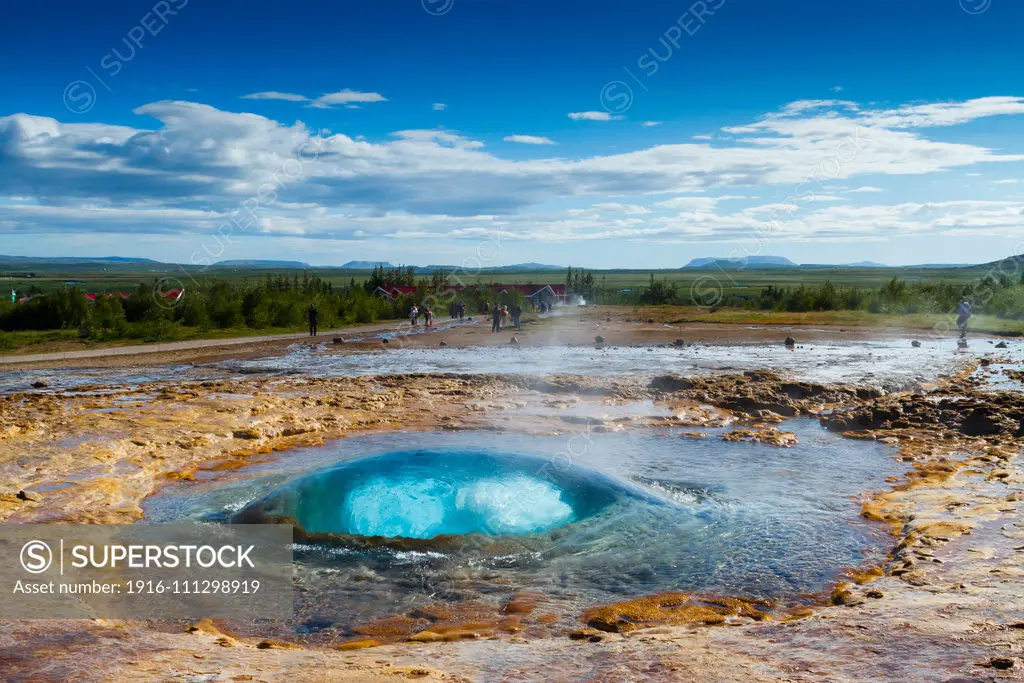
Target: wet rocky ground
946	605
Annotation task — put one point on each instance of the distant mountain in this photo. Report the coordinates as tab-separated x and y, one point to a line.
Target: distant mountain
515	267
21	260
257	263
747	262
528	266
365	265
1006	266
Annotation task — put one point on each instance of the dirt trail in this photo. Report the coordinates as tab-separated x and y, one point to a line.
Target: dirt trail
135	350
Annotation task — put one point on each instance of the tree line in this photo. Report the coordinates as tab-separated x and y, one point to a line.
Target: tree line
147	313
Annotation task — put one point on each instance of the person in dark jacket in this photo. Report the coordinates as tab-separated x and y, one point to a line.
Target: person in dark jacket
516	311
496	318
313	315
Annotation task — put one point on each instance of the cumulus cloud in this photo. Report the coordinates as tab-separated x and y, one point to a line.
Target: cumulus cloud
199	169
439	106
529	139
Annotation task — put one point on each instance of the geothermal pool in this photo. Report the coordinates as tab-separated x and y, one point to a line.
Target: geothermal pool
401	520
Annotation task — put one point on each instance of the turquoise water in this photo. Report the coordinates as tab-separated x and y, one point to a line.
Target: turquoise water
423	494
583	517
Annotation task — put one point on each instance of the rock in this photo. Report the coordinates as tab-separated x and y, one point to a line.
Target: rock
679	342
916	344
769	435
1001	663
358	644
10	496
426	637
599	339
589	634
443	343
670	383
30	496
338	340
276	645
961	344
1001	345
385	341
39	384
875	594
790	342
514	341
842	595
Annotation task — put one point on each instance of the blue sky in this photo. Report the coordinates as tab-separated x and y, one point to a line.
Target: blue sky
602	134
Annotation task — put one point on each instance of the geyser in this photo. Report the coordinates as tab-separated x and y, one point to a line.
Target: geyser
423	494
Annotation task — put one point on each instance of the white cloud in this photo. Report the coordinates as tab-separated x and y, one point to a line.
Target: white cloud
866	188
274	95
837	88
347	97
651	124
701	137
593	116
1007	181
350	97
616	207
440	106
529	139
198	167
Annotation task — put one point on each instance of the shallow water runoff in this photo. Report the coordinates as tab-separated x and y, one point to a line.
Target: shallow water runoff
389	522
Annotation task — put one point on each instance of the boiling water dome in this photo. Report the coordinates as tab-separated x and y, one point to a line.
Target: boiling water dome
424	494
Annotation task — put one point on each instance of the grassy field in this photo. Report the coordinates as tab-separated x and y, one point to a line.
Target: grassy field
125	278
746	283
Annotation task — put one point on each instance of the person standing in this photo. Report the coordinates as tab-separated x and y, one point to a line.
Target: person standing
517	312
313	316
428	317
414	315
495	318
963	315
